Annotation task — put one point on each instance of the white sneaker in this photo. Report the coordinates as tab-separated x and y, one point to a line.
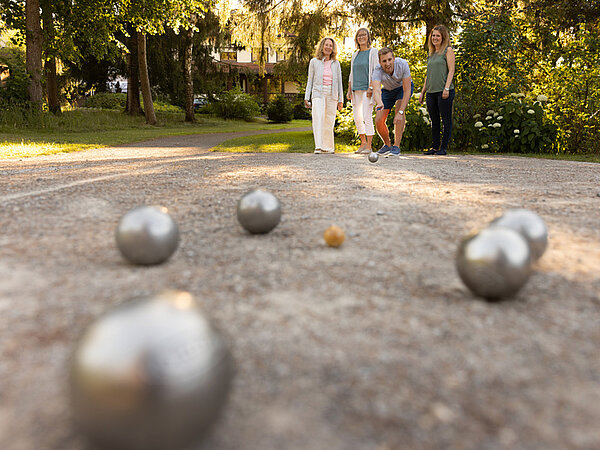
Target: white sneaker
318	150
327	151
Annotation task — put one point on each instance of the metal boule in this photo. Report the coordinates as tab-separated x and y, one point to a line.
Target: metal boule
147	235
151	373
531	226
494	263
373	157
258	211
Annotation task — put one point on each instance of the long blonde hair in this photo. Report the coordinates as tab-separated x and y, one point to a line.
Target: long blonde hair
319	53
445	39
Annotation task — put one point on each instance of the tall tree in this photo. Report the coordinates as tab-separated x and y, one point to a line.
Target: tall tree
402	14
145	79
33	61
285	24
187	73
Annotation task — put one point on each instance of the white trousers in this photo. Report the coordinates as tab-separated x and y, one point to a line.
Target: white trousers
362	109
323	119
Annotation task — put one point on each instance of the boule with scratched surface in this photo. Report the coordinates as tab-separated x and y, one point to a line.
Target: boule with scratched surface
531	226
151	373
258	211
147	235
494	263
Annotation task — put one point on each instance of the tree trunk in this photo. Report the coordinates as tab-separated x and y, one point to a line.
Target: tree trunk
145	80
52	86
50	63
33	52
187	73
133	106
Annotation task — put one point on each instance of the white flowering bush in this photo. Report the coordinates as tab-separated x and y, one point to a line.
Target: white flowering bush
516	126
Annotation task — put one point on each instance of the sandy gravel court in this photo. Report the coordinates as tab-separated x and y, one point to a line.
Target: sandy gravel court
375	345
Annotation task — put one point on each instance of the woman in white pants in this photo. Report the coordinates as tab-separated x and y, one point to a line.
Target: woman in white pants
325	88
360	91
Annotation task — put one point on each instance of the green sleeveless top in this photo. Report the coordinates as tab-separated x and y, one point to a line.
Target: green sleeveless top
437	72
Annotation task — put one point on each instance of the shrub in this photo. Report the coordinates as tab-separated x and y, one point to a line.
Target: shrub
416	134
301	112
106	100
15	91
235	104
344	126
280	110
515	126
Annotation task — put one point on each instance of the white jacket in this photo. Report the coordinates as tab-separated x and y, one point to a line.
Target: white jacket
314	86
373	61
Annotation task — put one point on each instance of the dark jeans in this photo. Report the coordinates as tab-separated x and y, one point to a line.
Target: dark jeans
438	106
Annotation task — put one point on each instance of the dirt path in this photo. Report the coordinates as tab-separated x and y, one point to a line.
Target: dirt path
376	345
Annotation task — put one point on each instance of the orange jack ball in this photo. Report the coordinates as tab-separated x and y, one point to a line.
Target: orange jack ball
334	236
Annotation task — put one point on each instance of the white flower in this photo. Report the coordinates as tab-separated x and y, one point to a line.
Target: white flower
490	112
490	125
476	116
495	114
488	117
485	146
517	131
520	95
530	111
514	95
478	124
423	110
497	125
499	117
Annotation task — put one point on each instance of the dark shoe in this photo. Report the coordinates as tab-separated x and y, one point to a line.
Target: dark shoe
431	151
384	150
395	151
441	152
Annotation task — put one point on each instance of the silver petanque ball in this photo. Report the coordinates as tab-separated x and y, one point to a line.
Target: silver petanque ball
531	226
147	235
373	157
494	263
258	211
150	374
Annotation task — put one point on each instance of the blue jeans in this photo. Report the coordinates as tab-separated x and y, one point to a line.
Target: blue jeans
438	106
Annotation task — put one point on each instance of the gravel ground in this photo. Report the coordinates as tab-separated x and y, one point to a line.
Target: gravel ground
375	345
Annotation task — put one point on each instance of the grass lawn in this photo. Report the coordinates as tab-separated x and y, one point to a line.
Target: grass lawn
292	142
302	142
84	129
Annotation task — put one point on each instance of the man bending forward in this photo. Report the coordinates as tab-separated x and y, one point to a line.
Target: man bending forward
390	80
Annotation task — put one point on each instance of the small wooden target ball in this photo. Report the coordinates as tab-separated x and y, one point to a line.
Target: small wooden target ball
334	236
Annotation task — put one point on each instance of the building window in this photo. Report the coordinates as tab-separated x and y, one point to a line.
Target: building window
228	56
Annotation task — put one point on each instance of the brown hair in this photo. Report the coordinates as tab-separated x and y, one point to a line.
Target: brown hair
369	39
319	53
384	51
445	39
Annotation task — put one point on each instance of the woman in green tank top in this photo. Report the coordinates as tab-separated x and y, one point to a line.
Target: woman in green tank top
439	88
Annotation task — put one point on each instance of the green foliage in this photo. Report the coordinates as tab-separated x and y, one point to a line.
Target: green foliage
417	132
235	104
517	126
344	125
514	52
106	100
15	90
280	110
300	111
